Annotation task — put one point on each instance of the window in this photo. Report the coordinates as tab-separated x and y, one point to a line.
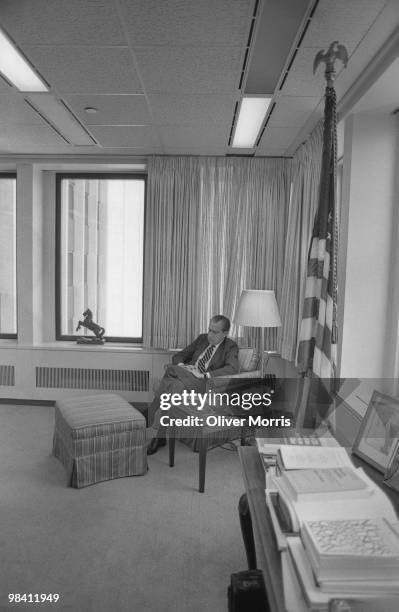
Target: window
8	276
100	254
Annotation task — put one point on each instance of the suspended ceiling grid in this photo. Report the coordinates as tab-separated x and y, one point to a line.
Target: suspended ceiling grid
165	76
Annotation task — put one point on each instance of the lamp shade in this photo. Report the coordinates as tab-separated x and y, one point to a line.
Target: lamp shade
257	308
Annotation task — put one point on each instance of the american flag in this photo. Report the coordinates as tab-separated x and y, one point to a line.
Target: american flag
318	334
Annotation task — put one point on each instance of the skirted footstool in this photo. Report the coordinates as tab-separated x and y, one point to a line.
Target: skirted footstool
99	437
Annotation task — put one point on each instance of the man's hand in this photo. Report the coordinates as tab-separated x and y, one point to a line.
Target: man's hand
192	369
195	372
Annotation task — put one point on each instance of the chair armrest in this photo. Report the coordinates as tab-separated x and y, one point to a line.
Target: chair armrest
231	384
251	374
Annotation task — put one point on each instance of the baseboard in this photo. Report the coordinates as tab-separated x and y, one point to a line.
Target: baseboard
32	402
141	406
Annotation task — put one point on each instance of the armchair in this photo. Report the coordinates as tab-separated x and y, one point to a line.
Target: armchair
209	437
248	361
250	369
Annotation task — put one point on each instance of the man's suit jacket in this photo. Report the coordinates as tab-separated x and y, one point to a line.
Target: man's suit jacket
224	360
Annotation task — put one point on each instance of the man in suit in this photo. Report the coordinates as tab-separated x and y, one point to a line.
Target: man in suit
211	354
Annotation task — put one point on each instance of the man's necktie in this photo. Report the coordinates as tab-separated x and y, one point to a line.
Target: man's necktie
205	357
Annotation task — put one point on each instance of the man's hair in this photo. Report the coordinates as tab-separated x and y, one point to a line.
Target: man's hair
225	321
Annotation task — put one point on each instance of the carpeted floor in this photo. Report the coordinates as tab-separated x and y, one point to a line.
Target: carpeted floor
148	543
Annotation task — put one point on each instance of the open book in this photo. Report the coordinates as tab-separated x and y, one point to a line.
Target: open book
309	439
329	491
300	457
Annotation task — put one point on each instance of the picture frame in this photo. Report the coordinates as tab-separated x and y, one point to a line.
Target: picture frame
391	476
377	439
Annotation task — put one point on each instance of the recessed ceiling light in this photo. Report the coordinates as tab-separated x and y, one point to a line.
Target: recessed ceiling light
253	110
91	110
16	68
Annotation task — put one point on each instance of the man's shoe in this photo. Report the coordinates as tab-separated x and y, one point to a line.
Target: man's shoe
155	444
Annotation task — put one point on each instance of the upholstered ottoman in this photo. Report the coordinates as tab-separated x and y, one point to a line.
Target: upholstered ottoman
99	437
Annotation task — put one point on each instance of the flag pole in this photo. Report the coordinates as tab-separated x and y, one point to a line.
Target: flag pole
318	335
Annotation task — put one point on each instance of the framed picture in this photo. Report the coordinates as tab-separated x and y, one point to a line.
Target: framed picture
378	434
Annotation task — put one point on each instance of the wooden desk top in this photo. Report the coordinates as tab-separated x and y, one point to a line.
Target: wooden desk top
268	557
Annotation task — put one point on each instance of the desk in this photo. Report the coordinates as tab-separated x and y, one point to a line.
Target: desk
268	558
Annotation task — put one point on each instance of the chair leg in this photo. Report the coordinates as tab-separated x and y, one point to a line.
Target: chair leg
203	447
172	443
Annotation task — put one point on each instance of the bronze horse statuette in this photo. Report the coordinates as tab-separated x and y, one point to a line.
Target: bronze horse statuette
89	324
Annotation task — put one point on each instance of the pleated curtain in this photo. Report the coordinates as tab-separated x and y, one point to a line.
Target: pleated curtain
217	225
305	179
213	227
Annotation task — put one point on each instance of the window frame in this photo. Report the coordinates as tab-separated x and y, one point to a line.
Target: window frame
59	176
11	336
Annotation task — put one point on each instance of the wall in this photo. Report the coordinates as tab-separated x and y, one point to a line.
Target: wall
56	370
35	366
368	204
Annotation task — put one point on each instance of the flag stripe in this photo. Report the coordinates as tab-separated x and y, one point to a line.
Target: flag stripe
317	349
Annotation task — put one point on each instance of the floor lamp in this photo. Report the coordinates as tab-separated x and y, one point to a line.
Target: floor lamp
258	308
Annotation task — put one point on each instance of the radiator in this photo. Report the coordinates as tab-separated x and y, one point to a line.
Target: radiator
7	375
85	378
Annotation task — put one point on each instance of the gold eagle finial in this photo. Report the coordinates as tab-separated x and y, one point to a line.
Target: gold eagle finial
335	51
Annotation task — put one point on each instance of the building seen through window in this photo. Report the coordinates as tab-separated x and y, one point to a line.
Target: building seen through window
8	290
100	248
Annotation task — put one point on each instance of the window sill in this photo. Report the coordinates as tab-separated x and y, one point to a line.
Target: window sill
4	342
73	346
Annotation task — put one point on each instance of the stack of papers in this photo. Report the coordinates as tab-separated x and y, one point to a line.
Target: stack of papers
341	542
314	483
361	596
348	550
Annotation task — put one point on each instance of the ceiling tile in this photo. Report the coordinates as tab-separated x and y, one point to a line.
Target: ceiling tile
112	110
188	22
126	136
341	20
190	136
30	139
277	138
292	112
86	69
301	81
189	69
14	109
307	127
189	56
169	109
4	86
92	22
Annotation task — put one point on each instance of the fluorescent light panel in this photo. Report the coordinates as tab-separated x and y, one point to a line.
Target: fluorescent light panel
253	110
59	116
16	69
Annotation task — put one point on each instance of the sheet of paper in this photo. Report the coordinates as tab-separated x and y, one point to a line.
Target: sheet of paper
324	480
299	457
